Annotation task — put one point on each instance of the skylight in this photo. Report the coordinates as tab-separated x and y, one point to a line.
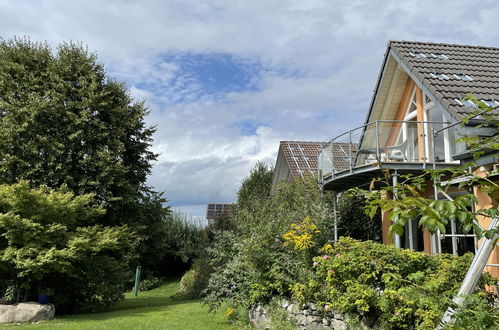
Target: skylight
466	103
417	55
463	77
440	56
439	76
491	103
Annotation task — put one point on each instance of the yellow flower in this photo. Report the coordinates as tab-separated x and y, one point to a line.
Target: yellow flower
301	236
229	312
327	248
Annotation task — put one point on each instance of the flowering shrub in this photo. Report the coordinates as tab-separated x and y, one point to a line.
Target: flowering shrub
301	235
272	245
401	288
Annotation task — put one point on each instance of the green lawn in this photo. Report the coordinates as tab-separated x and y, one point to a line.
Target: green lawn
153	309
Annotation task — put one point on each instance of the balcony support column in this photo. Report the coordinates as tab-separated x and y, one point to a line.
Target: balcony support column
395	183
335	214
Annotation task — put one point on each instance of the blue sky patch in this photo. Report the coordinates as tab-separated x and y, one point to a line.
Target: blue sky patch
194	75
247	127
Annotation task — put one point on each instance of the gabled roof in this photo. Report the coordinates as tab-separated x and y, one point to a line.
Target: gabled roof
425	64
301	156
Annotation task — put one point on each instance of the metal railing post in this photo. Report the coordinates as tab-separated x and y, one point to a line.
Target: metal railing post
335	212
350	149
423	135
395	183
378	156
319	165
332	159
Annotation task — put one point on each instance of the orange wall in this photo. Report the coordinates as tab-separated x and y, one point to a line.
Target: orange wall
484	202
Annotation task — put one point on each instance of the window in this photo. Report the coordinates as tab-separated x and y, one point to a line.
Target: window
455	242
466	103
440	56
439	76
413	237
463	77
491	103
417	54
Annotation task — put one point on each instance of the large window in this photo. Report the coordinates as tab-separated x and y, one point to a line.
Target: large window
417	138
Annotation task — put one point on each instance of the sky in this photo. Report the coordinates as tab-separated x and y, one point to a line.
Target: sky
225	81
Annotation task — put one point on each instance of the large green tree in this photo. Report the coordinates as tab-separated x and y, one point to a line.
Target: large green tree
64	121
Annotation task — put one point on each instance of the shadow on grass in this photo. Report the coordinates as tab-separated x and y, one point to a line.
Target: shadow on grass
144	302
147	305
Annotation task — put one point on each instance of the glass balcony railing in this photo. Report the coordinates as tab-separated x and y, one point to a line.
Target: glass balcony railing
386	142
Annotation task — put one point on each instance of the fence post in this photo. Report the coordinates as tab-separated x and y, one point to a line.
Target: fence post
137	280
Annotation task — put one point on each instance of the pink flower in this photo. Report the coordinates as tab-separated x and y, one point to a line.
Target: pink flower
325	257
326	307
337	255
331	271
396	313
315	264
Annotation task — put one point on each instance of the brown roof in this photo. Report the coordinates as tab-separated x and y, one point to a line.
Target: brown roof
479	63
302	156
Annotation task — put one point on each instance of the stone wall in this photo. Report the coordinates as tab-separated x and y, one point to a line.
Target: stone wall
306	316
26	312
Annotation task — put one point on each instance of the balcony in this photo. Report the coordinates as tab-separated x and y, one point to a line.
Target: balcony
354	157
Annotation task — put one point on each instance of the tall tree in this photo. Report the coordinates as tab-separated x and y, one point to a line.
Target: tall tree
64	121
256	186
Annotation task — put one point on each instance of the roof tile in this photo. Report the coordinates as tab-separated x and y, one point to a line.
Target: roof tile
481	63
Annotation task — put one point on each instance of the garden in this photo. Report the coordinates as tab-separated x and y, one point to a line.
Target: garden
77	217
279	249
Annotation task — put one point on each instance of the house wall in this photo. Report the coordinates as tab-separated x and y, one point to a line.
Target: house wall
484	202
282	171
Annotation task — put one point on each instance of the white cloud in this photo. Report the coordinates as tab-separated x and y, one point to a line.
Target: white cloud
319	61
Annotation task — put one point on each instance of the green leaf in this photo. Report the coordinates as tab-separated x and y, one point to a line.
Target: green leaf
451	207
441	227
466	228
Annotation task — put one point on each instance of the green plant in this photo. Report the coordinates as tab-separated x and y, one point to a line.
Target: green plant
271	244
65	122
401	288
50	240
193	283
480	312
149	284
354	222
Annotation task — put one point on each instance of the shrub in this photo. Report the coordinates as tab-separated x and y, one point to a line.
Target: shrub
353	220
252	264
149	284
401	288
193	283
49	240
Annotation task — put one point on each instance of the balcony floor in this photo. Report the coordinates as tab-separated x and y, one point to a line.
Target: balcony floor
361	176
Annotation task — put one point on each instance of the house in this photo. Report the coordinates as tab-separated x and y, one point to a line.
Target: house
412	124
297	158
214	210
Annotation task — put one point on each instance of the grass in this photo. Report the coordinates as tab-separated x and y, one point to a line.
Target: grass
155	309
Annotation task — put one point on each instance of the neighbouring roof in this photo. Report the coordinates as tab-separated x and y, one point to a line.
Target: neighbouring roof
302	156
214	210
450	72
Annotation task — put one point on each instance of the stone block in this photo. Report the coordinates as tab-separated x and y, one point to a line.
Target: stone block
338	325
26	312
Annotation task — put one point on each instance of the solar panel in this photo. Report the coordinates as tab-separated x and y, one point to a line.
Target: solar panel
214	210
